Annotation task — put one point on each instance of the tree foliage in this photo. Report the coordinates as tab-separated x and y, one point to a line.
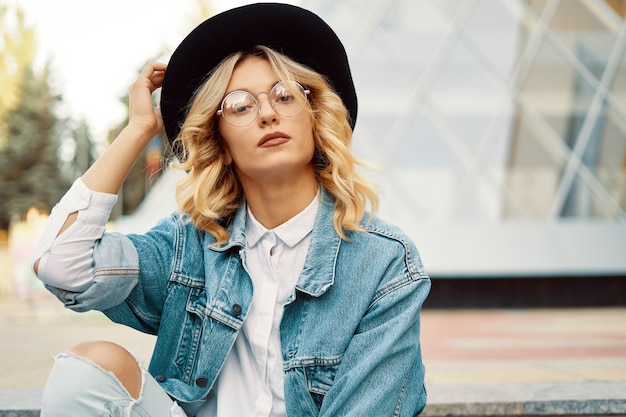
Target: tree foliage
29	167
17	52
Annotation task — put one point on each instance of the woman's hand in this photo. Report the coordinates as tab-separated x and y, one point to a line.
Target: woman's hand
143	115
108	173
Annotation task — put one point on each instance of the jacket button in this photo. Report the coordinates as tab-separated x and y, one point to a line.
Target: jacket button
160	378
237	309
201	382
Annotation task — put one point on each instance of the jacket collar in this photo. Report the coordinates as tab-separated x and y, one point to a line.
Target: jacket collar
237	230
318	273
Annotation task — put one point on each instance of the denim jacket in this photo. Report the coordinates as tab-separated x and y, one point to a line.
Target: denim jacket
350	329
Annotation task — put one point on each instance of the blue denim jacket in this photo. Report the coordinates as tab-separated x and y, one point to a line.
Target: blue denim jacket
350	330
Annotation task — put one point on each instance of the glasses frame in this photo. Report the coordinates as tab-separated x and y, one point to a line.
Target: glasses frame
220	112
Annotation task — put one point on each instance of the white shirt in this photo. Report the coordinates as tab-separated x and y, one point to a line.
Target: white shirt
72	252
251	382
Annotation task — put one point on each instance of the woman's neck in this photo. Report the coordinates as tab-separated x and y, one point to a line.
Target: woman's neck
275	202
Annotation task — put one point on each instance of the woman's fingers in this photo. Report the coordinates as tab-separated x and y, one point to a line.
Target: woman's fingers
154	73
142	111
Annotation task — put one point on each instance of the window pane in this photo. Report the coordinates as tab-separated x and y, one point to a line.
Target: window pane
618	85
578	28
558	93
606	155
495	31
534	170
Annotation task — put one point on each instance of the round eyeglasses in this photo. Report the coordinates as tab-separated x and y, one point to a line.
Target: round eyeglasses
240	108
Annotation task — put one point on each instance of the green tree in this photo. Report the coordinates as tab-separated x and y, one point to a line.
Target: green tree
17	52
29	166
77	147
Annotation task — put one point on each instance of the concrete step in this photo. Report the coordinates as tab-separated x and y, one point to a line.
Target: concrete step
27	403
20	402
485	362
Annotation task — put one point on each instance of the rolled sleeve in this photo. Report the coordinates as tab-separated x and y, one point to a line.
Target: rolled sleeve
93	208
65	260
116	266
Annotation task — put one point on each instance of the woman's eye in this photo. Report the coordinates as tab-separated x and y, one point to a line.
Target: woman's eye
241	109
286	98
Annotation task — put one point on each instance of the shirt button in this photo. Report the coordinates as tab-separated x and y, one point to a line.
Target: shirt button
201	382
160	378
237	309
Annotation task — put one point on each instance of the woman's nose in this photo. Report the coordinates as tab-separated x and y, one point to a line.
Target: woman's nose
267	114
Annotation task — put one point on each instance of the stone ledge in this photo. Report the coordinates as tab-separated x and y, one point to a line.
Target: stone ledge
586	408
20	402
19	413
27	403
581	399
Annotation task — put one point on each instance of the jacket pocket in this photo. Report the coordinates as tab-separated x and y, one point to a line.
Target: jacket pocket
319	379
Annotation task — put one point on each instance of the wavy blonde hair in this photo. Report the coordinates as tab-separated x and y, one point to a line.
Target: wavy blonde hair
211	194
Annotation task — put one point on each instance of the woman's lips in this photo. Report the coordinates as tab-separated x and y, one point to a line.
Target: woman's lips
273	139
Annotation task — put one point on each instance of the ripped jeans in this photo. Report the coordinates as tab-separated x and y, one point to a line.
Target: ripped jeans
78	387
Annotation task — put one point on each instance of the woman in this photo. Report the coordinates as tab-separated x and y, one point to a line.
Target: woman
272	292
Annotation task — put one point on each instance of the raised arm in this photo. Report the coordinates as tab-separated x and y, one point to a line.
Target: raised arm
108	173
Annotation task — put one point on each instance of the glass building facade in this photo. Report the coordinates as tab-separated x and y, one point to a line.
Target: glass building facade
498	128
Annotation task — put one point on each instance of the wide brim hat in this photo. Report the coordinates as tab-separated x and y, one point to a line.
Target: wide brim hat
293	31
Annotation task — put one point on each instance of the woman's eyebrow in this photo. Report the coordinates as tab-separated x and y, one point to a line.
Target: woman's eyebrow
248	90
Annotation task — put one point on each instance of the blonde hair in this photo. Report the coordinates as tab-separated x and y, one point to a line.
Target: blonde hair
211	194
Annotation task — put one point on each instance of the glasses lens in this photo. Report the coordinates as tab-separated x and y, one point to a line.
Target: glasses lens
239	108
287	98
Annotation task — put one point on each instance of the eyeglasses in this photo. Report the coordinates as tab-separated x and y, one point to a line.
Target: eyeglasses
240	108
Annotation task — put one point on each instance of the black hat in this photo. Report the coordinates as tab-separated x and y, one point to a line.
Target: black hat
291	30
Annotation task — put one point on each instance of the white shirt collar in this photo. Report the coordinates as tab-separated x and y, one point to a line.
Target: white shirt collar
291	232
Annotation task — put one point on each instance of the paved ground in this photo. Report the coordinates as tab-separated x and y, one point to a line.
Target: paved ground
471	355
525	355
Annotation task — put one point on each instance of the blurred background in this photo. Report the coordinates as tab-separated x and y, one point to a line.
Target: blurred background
498	128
